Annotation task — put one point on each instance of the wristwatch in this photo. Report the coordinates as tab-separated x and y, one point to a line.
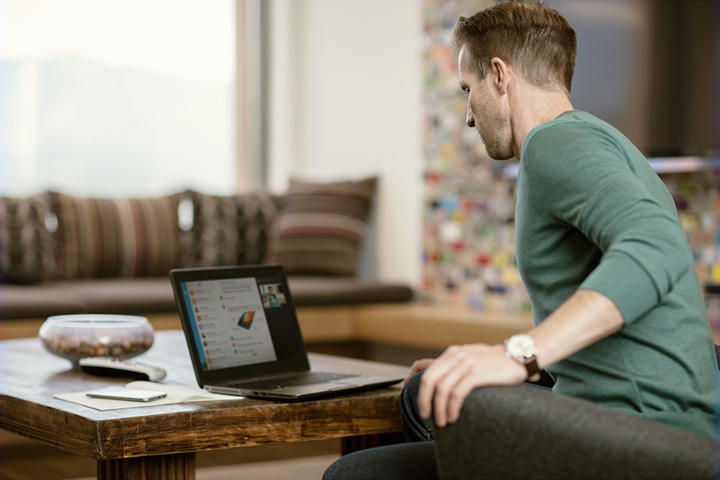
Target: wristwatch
522	349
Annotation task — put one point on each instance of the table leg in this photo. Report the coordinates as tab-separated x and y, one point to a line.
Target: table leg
161	467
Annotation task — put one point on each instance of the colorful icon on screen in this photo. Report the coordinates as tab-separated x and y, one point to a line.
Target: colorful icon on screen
246	320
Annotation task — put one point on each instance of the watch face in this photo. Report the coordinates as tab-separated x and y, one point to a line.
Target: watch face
521	346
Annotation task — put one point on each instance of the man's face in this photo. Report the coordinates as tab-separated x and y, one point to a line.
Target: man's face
486	110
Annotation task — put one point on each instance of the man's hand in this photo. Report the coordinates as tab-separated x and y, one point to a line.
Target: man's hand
450	378
419	366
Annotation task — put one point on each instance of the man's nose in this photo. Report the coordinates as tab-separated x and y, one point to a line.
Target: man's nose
469	119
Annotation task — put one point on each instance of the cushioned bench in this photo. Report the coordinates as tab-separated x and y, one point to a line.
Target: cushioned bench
65	254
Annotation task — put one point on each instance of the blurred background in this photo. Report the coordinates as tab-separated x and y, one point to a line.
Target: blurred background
129	97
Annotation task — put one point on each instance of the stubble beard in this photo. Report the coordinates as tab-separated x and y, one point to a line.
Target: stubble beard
496	147
498	140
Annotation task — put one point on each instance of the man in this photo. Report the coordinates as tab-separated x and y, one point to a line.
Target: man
271	298
619	313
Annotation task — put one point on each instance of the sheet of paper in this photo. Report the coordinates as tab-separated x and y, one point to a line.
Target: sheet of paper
175	394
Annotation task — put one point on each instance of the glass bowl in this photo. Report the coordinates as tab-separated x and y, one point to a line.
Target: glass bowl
78	336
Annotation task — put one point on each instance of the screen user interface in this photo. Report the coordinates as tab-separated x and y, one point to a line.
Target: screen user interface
231	319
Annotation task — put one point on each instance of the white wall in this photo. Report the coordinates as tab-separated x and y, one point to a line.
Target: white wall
345	102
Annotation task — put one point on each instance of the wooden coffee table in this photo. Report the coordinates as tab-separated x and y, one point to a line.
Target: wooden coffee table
161	441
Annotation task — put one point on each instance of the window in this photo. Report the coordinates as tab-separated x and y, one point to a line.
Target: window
119	97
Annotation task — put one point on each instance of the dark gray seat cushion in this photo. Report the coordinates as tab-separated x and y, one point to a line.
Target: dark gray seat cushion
38	300
127	296
327	290
154	295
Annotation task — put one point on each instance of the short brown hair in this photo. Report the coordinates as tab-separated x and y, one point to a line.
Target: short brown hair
529	35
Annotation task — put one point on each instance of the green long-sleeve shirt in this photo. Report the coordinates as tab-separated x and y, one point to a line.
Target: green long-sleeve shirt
592	214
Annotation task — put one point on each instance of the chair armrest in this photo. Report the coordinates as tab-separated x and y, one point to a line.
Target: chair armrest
529	432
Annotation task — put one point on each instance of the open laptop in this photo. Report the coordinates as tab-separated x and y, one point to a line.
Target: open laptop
244	337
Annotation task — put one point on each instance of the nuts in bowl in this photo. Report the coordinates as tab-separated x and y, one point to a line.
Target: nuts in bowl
78	336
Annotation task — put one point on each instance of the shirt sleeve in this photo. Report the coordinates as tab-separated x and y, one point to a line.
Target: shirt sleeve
585	181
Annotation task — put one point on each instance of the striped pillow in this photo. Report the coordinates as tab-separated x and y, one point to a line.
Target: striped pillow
320	227
25	240
102	237
227	230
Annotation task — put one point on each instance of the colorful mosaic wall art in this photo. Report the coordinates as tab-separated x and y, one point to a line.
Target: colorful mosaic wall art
469	204
469	199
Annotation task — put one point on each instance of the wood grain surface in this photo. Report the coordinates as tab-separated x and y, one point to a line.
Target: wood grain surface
33	375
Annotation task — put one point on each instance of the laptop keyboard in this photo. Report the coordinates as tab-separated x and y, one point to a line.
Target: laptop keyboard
293	380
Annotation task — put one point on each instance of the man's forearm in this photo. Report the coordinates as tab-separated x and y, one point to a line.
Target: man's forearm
584	319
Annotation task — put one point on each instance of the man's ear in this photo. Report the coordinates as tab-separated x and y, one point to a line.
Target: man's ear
500	72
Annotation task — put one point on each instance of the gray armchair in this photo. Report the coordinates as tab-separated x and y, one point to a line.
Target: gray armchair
527	432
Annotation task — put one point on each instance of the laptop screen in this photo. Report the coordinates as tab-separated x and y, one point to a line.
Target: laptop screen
228	319
239	319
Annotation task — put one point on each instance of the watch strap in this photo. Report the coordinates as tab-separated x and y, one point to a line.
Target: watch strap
533	370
